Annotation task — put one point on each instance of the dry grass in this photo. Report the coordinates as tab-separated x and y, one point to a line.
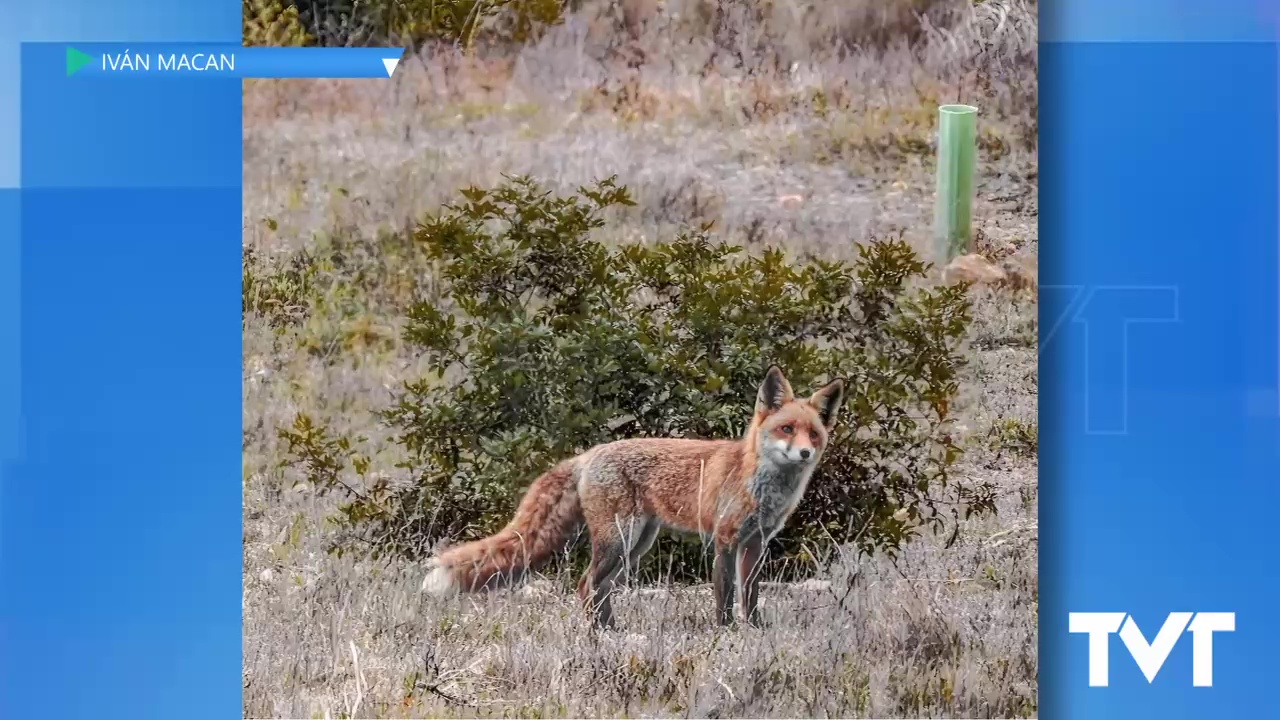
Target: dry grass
811	149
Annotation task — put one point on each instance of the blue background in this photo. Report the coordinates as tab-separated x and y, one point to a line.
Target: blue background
120	368
215	62
1159	411
120	394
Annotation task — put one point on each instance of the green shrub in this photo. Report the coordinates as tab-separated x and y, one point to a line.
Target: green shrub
551	341
523	21
273	23
414	22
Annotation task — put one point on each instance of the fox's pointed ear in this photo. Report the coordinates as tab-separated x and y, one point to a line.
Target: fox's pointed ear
827	401
774	392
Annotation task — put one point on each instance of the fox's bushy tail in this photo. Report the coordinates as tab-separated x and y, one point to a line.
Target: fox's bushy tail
549	513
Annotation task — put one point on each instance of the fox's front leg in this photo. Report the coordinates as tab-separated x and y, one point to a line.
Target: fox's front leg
722	578
750	563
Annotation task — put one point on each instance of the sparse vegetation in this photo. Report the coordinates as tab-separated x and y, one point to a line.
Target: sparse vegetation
1015	436
398	22
787	124
273	23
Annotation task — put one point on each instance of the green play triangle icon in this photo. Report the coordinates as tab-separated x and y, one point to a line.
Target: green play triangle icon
76	60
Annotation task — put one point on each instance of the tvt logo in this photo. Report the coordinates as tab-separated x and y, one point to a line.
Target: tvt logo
1150	656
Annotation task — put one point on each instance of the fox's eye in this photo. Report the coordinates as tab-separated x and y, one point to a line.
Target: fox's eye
813	434
788	429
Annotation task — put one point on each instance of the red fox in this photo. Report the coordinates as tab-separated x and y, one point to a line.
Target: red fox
737	492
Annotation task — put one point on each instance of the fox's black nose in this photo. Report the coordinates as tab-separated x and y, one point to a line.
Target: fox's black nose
805	453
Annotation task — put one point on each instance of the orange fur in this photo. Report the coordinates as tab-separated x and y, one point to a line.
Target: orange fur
546	516
737	492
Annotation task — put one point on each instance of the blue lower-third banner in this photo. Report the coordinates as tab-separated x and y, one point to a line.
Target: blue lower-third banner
224	61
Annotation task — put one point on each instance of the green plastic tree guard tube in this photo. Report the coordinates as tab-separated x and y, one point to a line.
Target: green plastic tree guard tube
953	211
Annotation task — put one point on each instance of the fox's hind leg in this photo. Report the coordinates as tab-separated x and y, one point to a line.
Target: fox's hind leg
642	542
607	556
614	548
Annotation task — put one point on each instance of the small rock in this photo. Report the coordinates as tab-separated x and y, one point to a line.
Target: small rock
266	575
973	269
1022	273
791	202
813	585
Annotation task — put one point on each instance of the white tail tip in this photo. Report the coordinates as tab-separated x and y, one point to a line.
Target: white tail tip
439	582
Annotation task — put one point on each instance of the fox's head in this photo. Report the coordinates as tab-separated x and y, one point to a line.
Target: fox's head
791	430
